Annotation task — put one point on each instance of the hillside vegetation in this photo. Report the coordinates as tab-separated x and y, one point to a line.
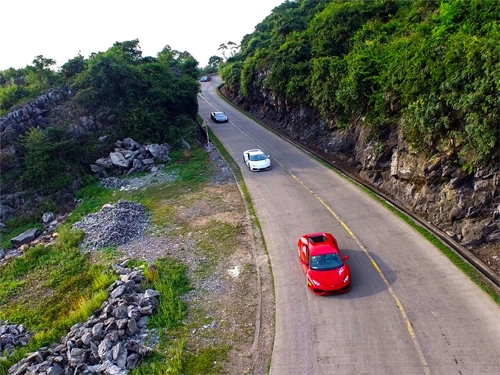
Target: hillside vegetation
143	92
207	315
430	68
149	99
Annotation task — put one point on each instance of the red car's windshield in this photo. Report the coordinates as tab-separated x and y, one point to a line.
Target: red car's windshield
326	262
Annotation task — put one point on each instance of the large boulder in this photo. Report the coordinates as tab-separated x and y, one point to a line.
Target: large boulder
26	237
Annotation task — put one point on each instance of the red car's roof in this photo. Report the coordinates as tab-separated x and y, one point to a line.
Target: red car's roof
321	243
322	248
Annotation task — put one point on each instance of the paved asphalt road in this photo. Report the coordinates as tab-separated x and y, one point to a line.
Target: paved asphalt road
410	310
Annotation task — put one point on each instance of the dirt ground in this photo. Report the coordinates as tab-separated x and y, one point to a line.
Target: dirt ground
235	303
489	254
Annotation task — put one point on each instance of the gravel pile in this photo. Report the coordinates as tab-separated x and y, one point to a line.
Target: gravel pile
126	222
134	183
113	183
114	225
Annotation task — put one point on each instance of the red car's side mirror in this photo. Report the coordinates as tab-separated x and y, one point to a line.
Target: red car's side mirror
346	257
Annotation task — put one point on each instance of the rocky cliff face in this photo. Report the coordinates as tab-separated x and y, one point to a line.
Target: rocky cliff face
465	206
54	108
50	109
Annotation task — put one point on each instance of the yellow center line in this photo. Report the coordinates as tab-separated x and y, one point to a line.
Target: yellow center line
377	268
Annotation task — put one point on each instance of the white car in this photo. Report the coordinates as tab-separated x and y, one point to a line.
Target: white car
257	160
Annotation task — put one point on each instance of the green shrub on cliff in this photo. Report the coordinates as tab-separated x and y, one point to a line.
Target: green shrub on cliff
429	67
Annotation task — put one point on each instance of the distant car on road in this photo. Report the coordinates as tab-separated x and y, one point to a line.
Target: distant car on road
219	117
257	160
324	264
205	79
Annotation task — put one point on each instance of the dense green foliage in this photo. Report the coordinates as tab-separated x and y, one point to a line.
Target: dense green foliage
155	99
431	68
52	153
18	86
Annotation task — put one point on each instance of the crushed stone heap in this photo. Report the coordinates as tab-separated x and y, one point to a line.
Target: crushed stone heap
114	225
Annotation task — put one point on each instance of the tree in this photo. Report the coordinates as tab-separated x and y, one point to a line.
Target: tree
39	76
214	62
74	66
37	157
9	96
130	49
42	63
228	49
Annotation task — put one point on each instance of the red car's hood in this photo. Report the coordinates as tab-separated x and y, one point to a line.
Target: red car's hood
330	280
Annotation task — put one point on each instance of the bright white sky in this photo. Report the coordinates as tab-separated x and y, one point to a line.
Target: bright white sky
60	29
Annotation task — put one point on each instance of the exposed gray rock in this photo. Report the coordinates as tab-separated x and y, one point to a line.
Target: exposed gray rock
133	312
130	157
119	290
120	355
119	160
6	211
131	326
55	369
143	321
104	163
12	336
159	152
26	237
97	329
120	312
48	217
18	121
132	361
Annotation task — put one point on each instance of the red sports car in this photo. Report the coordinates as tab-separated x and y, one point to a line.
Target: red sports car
324	264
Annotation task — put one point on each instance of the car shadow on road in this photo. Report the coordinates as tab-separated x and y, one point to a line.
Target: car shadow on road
367	275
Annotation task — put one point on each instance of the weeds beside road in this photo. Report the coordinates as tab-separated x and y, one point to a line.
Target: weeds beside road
216	321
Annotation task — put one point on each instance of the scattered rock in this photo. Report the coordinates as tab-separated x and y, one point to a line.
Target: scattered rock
109	342
26	237
12	336
130	157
